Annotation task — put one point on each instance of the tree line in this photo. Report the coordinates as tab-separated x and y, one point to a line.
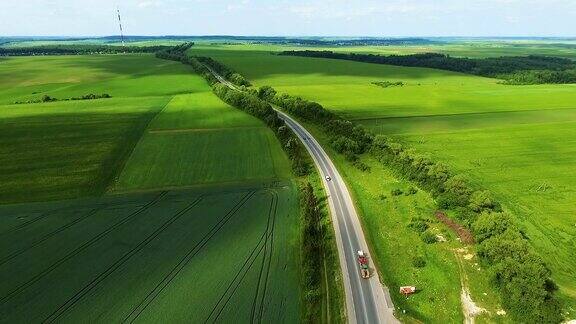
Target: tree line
77	50
47	98
531	69
313	236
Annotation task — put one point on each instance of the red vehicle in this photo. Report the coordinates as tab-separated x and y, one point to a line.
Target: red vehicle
363	262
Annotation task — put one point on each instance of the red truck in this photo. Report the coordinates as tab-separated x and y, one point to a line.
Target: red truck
363	262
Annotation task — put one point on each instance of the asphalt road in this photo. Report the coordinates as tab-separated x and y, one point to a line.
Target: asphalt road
367	300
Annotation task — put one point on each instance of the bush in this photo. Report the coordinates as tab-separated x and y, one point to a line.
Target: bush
361	166
418	262
428	237
411	191
396	192
418	224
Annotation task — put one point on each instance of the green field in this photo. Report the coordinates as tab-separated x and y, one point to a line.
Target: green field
185	209
198	139
517	141
179	256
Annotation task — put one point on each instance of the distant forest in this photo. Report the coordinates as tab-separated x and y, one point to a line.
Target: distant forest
77	49
512	69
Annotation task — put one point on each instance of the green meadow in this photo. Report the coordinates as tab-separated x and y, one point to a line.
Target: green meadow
517	141
160	204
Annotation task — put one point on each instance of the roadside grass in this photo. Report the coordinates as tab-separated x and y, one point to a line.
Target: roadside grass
200	140
513	140
230	255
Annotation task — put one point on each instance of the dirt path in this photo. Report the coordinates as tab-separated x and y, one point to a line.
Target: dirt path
469	308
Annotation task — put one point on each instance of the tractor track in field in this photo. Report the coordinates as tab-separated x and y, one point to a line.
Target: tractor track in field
29	222
234	284
269	232
71	302
81	248
49	235
273	207
242	272
159	288
48	213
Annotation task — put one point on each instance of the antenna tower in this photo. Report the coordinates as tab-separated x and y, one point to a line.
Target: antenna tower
121	30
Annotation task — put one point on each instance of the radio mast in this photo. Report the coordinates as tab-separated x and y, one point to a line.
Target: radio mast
120	24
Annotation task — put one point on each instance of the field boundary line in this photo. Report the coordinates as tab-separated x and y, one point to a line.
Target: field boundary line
81	248
155	292
49	235
70	303
27	223
113	180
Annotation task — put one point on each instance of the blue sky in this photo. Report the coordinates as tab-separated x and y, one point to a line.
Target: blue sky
290	18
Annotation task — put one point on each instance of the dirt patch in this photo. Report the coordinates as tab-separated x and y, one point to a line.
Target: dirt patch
469	308
463	233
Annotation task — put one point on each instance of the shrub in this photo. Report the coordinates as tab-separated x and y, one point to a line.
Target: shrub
396	192
418	224
361	166
411	191
418	262
428	237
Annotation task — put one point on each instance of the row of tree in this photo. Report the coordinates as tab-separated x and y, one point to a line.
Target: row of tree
515	69
47	98
77	49
541	77
313	242
346	138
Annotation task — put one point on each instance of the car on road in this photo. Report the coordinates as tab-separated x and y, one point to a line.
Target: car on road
328	178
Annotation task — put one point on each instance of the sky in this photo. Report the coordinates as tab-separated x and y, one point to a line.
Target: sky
393	18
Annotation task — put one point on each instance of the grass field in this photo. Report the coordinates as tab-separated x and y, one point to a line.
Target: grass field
196	218
516	141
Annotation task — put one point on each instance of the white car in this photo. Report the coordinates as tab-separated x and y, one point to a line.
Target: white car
328	178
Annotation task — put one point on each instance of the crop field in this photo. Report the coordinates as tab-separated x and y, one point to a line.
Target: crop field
182	208
197	140
516	141
152	257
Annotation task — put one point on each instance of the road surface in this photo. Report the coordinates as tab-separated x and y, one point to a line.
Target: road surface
367	300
